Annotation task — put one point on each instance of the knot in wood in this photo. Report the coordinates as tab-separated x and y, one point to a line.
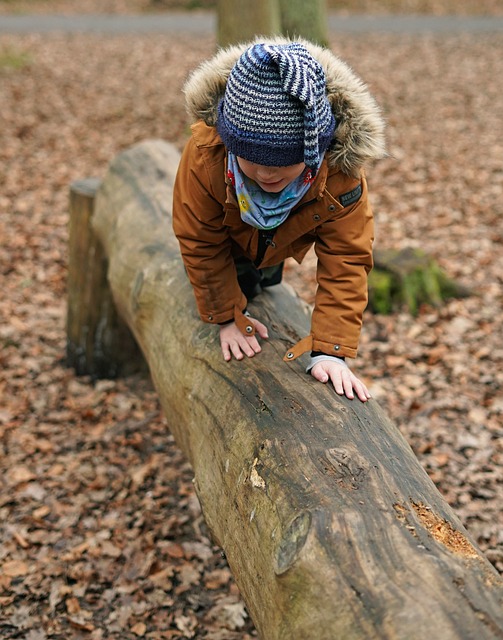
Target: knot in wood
348	468
292	542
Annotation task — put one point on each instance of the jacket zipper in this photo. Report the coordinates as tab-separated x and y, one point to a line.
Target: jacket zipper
265	239
265	236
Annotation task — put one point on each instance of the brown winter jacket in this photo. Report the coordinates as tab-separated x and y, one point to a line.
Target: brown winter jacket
335	213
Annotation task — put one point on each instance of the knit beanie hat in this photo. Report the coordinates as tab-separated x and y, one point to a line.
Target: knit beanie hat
275	111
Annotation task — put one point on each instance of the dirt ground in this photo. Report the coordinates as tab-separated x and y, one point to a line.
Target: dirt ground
102	535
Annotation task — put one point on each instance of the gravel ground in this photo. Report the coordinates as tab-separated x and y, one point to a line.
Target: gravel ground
69	104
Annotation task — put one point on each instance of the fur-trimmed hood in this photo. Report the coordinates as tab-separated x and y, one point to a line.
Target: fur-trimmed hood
359	136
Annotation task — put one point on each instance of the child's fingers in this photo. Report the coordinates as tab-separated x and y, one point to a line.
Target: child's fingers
347	383
236	348
338	383
361	390
250	346
261	329
320	374
344	381
226	352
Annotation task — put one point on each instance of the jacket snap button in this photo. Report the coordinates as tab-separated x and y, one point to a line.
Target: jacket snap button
336	347
210	318
331	207
249	328
316	217
289	355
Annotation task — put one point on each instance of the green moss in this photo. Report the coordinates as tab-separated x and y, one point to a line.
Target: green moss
407	279
381	291
12	60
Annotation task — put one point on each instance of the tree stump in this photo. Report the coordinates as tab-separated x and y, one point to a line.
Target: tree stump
409	278
331	527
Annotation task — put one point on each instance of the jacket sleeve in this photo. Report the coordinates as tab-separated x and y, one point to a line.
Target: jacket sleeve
344	250
205	243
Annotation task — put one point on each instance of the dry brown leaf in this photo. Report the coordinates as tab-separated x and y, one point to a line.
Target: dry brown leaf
187	625
72	606
19	474
139	629
14	568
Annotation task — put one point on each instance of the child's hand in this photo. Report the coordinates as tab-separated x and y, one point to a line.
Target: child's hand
234	343
343	379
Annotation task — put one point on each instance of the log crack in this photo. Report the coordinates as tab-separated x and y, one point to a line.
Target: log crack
436	527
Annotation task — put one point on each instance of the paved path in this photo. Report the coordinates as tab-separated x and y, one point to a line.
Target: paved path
205	23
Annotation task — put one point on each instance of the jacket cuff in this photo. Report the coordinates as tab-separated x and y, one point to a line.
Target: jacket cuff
227	315
242	320
309	343
323	357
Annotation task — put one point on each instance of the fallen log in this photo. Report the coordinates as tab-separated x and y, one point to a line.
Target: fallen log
331	527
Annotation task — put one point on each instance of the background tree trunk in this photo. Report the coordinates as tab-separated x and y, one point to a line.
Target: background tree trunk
242	20
330	526
305	19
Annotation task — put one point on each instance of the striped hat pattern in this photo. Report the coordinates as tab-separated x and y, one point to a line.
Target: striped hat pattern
275	111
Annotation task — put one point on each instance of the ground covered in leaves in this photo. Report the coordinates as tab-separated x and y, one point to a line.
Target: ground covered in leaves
101	533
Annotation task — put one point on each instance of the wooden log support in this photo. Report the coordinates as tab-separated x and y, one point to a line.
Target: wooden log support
99	343
331	527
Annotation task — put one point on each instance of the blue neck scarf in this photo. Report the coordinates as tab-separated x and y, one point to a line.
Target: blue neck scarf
259	208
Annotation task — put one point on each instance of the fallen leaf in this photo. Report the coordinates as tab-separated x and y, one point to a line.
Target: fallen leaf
139	629
187	625
72	606
20	474
14	568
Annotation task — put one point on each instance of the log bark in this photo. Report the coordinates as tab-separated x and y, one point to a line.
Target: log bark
331	527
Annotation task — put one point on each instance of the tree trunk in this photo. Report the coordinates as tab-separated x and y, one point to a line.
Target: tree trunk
242	20
305	19
331	527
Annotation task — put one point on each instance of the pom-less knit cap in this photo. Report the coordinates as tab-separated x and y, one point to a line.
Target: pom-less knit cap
275	111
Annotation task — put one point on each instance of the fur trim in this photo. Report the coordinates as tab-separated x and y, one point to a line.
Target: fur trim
359	136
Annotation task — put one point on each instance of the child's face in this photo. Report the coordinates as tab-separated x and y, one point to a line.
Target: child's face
271	179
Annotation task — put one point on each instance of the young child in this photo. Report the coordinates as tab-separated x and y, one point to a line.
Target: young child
281	133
